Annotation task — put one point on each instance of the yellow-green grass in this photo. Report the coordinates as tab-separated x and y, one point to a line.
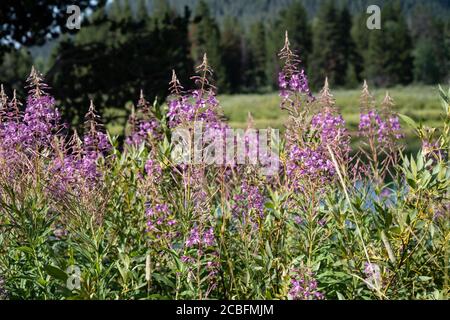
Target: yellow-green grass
418	102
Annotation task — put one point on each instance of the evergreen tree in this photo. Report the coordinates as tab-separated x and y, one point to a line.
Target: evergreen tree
360	35
115	10
430	53
232	53
293	19
389	59
161	8
142	11
256	58
329	57
15	66
205	38
347	50
30	23
92	66
127	13
426	66
120	11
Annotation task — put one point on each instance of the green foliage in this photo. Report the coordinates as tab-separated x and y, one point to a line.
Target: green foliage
15	66
389	58
332	45
431	50
294	20
110	71
205	39
343	229
256	62
232	60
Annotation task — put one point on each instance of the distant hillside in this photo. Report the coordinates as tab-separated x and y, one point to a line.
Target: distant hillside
249	11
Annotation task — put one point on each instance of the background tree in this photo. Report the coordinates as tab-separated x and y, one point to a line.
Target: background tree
14	68
33	22
205	38
294	19
112	74
389	58
347	49
360	35
256	58
430	53
330	53
232	53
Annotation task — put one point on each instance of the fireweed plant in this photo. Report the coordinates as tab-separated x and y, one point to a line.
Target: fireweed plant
84	218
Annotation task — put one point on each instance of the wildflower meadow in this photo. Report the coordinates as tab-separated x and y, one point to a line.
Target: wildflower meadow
84	215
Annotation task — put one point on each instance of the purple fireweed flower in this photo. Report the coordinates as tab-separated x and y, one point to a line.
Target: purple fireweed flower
197	237
331	129
145	127
369	121
41	119
96	141
160	221
209	238
386	127
297	83
249	200
304	287
194	238
195	107
153	170
372	125
292	81
395	129
67	173
313	164
187	259
95	145
298	220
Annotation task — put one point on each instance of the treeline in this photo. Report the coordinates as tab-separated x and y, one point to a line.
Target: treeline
121	48
249	12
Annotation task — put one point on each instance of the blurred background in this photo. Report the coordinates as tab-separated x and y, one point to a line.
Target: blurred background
124	46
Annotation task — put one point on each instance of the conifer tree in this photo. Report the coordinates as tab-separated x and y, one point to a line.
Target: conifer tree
293	19
389	58
347	50
329	56
142	11
232	53
205	38
360	35
256	57
161	8
431	54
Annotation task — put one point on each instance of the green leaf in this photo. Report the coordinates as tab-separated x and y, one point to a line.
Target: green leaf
25	249
56	272
409	121
340	296
269	250
424	278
